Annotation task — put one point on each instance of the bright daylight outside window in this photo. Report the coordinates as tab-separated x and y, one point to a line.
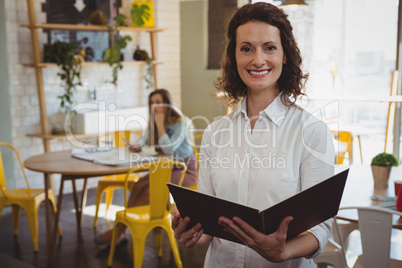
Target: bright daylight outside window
349	49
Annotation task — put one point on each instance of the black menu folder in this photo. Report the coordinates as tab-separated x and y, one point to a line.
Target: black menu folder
308	208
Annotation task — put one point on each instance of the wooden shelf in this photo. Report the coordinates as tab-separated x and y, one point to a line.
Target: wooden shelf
81	27
60	137
47	64
39	65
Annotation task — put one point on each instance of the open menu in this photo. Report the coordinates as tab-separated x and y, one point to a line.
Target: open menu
308	208
112	157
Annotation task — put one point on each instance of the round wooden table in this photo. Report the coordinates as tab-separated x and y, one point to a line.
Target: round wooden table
63	163
70	168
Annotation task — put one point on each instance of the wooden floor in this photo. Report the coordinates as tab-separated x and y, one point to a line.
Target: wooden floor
77	249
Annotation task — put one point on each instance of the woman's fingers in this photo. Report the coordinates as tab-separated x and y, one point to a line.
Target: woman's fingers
235	229
245	232
181	227
187	237
193	241
250	235
176	219
134	147
283	227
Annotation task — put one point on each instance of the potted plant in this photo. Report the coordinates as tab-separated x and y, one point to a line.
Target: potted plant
113	55
64	55
381	165
142	55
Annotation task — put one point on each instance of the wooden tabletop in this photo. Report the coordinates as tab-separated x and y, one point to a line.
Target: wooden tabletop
62	162
360	188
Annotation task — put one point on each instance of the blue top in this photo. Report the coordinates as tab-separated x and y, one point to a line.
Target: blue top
175	141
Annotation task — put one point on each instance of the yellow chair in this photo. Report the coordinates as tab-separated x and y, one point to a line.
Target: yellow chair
155	216
196	137
107	184
345	144
26	198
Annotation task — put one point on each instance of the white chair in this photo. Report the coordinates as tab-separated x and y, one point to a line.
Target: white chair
334	251
375	225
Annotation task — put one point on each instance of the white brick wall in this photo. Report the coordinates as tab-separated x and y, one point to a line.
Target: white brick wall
129	92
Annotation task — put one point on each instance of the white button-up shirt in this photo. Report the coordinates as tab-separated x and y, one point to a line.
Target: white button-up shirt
289	150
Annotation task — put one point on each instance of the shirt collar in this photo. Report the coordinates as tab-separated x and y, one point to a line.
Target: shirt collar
275	111
241	108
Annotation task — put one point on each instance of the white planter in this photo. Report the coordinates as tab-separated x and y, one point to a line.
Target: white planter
56	122
381	176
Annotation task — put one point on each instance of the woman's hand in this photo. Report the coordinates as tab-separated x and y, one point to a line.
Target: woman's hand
272	247
159	118
134	147
188	238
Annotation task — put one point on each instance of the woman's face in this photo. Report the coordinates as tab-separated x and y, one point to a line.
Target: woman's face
259	55
158	100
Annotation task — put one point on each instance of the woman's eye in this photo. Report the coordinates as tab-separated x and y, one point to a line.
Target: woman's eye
245	49
271	48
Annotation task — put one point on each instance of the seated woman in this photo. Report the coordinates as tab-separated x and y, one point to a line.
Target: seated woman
170	131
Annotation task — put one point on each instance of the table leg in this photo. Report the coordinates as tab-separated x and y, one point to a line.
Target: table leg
79	208
56	220
76	206
83	198
47	203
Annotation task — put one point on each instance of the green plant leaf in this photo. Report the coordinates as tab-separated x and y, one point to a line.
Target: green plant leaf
120	20
122	43
106	56
139	13
385	160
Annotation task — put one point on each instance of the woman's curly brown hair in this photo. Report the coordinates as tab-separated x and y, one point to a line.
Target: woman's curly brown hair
292	79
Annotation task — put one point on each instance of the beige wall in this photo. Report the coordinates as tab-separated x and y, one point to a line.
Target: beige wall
196	81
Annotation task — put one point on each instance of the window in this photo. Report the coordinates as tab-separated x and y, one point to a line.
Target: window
349	49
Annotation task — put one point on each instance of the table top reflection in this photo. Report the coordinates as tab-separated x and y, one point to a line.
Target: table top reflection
360	188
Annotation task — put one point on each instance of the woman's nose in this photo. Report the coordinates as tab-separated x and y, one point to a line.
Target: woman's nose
258	58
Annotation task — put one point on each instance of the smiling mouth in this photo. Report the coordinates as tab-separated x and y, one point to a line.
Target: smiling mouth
259	73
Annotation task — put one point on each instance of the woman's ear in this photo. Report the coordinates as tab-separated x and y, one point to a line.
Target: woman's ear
284	59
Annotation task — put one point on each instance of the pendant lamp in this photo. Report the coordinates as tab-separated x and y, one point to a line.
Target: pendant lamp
294	2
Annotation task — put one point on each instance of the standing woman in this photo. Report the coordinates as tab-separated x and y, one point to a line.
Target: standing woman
168	130
268	148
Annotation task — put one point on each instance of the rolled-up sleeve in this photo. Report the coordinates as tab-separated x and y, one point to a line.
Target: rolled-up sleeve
322	232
